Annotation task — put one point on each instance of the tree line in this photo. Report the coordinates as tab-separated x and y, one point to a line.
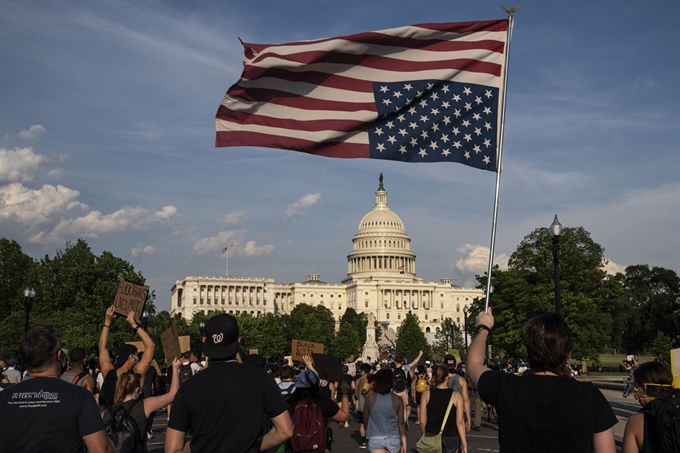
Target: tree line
637	311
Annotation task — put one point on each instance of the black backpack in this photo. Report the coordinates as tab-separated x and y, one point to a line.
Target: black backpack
662	423
399	380
123	431
184	373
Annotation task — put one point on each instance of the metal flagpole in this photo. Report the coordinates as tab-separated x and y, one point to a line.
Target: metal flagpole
510	12
227	262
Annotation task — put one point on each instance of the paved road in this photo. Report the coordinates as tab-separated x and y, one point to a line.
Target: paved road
486	440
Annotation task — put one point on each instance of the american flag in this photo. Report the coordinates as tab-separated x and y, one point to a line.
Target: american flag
420	93
224	250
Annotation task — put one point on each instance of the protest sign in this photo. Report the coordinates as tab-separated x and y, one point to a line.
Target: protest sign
253	351
184	343
130	297
137	344
411	356
328	367
675	367
171	346
302	347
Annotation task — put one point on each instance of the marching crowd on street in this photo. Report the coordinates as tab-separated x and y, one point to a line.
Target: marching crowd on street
229	404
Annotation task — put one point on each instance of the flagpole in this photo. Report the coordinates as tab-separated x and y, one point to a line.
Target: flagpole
227	262
499	161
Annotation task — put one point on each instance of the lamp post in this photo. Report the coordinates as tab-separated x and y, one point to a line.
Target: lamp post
465	312
145	319
555	232
29	294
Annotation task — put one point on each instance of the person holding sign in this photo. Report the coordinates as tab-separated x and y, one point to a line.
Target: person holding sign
126	356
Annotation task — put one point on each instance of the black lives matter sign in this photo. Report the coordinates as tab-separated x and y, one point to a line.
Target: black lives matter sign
130	297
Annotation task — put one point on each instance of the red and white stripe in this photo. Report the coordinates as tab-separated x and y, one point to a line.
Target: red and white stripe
317	96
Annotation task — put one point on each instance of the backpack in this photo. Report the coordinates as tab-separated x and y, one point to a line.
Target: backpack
399	382
79	377
421	383
662	423
309	427
184	373
288	390
123	431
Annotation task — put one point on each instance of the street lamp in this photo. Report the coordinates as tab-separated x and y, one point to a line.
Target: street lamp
465	312
145	318
555	232
29	294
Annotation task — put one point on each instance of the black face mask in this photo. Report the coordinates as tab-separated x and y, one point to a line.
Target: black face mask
63	364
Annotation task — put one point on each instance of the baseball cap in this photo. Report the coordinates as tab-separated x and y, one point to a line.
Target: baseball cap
307	379
123	353
448	357
221	337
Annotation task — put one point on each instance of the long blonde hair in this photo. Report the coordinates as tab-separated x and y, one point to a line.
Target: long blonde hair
127	384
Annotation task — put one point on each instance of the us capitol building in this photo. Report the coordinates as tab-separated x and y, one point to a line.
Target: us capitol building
381	279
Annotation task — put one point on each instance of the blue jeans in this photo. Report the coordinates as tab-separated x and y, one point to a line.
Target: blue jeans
389	444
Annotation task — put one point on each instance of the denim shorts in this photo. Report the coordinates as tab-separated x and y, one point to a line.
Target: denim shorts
389	444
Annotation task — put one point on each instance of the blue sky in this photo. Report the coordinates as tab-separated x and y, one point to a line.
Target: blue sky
107	133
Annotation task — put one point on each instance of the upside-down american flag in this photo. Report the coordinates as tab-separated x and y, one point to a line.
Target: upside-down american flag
420	93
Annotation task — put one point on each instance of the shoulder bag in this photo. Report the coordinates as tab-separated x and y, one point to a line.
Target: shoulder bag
433	444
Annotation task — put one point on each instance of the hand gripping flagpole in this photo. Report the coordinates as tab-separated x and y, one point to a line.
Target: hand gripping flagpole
499	160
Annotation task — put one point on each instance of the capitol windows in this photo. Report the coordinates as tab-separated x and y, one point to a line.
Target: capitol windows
427	330
366	303
426	319
398	315
442	305
194	301
458	320
387	316
458	307
201	301
339	307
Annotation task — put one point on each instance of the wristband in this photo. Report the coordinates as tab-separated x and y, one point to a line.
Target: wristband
481	327
135	328
107	326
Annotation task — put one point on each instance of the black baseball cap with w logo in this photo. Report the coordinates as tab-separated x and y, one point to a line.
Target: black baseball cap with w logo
221	337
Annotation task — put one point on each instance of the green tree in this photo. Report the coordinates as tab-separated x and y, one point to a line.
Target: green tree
346	342
312	330
662	344
410	338
654	294
264	333
357	321
296	322
526	289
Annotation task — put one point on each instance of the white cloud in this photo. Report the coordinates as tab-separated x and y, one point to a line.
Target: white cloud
29	208
95	223
56	173
612	268
235	240
296	210
233	218
476	259
20	164
34	131
146	250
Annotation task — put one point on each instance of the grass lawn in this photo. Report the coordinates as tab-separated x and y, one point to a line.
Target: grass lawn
611	360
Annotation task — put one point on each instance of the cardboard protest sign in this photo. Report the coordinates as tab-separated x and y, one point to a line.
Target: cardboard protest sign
302	347
352	368
253	351
184	343
137	344
675	367
328	367
130	297
171	346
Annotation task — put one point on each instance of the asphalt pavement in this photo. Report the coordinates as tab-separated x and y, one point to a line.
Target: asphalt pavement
486	440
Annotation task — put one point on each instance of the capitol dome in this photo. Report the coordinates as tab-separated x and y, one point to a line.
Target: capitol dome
381	247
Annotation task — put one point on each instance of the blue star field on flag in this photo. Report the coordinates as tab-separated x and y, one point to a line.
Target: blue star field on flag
435	121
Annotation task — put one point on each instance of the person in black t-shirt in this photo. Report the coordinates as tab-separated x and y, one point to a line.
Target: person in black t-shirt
126	356
542	409
226	405
44	413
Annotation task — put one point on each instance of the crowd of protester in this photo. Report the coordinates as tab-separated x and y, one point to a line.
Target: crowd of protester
288	406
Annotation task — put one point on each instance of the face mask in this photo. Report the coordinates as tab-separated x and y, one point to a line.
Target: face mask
138	393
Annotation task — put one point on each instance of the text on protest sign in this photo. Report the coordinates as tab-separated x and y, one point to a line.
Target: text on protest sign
130	297
302	347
